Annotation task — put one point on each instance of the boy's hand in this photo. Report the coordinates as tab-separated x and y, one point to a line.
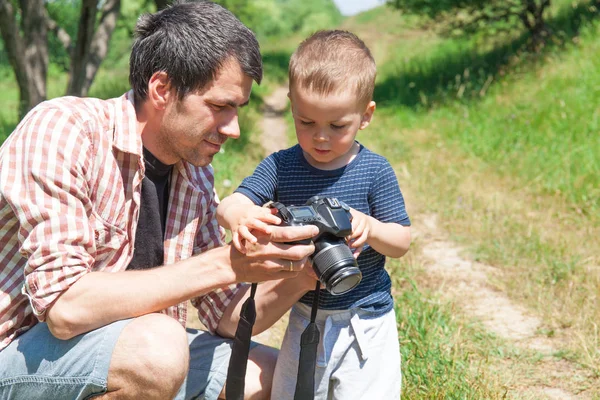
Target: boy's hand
245	218
361	228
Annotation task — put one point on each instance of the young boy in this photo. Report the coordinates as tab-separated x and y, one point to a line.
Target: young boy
331	82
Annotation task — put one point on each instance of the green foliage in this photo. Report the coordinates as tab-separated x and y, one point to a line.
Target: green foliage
468	16
545	131
66	14
278	18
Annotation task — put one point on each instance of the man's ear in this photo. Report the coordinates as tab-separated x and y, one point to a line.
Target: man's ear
159	90
367	115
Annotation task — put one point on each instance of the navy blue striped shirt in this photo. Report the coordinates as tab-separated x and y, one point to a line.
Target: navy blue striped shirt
367	184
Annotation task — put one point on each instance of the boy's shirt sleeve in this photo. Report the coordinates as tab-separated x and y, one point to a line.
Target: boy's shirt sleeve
386	202
261	186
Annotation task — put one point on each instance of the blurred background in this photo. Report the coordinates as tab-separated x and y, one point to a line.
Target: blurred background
488	111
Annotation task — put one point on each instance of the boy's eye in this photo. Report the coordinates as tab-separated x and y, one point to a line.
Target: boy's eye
337	126
306	122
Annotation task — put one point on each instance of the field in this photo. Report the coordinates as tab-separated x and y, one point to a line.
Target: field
497	151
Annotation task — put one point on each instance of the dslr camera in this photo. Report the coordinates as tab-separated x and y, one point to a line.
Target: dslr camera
332	260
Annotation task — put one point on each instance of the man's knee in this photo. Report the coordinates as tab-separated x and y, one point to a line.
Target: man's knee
150	358
259	373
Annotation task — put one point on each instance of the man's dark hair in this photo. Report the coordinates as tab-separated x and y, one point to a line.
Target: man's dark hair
190	41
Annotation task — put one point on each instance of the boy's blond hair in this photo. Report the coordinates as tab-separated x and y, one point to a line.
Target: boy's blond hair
333	61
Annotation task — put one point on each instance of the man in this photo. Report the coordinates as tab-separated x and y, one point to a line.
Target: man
95	194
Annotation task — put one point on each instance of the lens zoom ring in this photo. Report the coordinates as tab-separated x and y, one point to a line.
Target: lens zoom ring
331	256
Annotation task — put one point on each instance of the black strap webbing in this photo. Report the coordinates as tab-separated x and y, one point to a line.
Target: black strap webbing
236	373
309	342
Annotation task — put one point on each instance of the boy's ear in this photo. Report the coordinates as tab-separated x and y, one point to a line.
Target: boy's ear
367	115
289	95
159	90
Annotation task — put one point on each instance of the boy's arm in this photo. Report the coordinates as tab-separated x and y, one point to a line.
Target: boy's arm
388	238
240	215
387	227
229	210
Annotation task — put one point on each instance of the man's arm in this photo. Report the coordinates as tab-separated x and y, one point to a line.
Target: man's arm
100	298
273	298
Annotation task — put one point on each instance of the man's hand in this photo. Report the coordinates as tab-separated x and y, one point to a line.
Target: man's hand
273	255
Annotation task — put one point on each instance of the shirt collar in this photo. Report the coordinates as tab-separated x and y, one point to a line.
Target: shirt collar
126	137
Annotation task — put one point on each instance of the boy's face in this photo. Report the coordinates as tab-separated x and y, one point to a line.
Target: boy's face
326	126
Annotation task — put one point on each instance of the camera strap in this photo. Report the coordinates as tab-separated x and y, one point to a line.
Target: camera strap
236	372
309	342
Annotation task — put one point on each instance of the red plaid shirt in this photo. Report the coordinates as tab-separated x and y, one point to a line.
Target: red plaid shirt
70	184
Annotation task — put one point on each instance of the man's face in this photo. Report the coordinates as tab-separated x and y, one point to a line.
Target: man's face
194	129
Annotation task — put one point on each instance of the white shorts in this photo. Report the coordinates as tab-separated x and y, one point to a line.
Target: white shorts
358	356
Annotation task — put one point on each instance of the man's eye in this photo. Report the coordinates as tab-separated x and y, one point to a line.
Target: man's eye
217	107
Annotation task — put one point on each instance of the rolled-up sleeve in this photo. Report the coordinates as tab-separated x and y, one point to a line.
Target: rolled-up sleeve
212	305
46	187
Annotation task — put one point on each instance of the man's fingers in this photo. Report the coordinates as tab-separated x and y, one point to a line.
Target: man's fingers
293	233
290	265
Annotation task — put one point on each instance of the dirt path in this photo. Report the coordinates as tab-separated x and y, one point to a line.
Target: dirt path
465	283
274	138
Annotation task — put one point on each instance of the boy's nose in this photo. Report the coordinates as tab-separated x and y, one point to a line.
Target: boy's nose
321	136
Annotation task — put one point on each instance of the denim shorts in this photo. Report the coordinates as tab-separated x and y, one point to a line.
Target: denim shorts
36	365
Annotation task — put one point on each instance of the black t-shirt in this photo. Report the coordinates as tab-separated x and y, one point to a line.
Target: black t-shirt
149	237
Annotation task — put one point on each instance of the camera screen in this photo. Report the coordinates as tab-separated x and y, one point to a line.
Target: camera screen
302	212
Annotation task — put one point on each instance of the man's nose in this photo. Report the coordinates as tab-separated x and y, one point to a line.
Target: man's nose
230	127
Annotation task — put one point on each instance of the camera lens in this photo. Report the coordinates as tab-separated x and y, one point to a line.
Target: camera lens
335	265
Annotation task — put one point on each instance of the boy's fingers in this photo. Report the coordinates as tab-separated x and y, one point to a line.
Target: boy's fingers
238	244
265	214
359	241
260	225
357	252
244	232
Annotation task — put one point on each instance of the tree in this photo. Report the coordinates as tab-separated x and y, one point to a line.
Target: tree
470	15
25	24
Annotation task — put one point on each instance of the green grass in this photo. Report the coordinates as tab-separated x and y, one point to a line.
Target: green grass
503	146
544	132
437	347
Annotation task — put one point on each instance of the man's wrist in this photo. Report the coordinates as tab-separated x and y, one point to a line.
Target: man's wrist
214	267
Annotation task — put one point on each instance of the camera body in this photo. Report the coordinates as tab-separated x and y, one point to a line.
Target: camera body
332	260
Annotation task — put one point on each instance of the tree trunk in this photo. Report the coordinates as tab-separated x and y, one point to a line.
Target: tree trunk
28	54
92	44
533	19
